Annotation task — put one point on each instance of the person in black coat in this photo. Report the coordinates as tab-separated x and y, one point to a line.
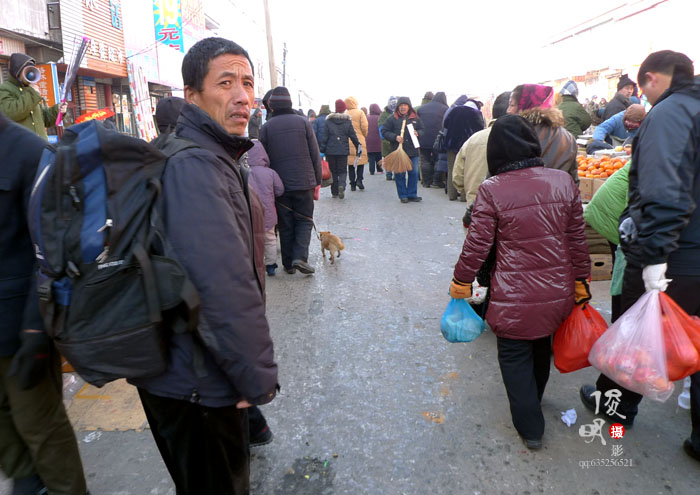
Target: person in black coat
31	394
291	144
319	123
431	114
625	89
254	124
336	147
406	182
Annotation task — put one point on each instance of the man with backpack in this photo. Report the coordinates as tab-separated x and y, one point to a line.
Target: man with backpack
197	408
38	450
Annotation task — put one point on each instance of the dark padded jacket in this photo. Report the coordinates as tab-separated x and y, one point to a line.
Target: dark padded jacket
540	250
209	223
291	144
664	183
461	123
618	104
19	303
338	130
319	125
432	114
392	128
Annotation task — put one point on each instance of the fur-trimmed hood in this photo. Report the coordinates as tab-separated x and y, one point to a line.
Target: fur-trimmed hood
339	116
550	117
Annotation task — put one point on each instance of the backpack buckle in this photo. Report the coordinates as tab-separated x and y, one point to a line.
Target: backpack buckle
44	290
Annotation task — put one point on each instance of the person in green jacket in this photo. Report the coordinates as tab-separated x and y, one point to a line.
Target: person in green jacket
577	119
603	214
21	101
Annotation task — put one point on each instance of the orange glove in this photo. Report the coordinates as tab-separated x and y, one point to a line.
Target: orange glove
582	292
460	290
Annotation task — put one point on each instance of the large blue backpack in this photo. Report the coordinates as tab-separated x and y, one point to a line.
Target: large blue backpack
110	291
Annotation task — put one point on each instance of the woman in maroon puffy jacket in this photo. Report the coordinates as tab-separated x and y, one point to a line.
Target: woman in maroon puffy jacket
533	215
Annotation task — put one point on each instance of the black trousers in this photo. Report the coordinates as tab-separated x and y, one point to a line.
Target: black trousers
339	171
295	209
685	291
428	160
204	448
356	179
525	371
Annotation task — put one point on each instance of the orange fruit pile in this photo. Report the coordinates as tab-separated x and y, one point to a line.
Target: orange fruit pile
598	167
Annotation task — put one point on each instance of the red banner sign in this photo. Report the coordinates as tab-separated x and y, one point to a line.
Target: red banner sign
105	113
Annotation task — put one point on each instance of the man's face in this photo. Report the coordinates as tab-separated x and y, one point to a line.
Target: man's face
228	92
403	109
655	85
512	106
627	91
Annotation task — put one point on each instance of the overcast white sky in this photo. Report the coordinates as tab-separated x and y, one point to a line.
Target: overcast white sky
371	49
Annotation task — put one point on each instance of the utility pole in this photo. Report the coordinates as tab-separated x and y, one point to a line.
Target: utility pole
270	49
284	66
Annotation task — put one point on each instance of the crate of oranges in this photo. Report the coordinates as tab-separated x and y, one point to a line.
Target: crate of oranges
593	167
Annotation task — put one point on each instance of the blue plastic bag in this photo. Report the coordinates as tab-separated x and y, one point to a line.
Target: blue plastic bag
460	323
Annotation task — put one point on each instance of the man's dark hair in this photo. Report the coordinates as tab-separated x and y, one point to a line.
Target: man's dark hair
666	62
195	65
500	105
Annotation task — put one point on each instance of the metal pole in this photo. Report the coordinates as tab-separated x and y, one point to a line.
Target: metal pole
270	50
284	66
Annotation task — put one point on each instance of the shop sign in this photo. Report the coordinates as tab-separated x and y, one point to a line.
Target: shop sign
168	22
48	85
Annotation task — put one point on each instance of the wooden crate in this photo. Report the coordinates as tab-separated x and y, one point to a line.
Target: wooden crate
601	267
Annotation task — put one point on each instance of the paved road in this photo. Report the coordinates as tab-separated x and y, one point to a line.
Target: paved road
375	401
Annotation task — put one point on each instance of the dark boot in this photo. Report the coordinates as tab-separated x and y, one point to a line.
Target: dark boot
31	485
360	177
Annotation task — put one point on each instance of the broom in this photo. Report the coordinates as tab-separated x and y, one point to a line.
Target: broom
398	161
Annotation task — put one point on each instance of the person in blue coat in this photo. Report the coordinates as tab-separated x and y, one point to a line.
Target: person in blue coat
620	128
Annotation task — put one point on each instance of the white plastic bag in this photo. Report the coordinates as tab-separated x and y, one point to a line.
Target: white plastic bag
632	351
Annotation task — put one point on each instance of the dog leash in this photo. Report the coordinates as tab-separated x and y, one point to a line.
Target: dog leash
303	216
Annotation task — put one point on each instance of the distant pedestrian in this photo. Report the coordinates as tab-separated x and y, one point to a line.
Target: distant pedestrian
461	121
311	115
374	140
254	124
291	144
534	284
576	117
406	182
359	122
431	114
338	134
167	112
319	123
386	145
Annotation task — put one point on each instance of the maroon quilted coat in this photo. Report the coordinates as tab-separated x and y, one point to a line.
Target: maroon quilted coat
535	217
374	140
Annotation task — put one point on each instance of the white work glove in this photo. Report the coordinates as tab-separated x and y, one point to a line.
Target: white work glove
654	277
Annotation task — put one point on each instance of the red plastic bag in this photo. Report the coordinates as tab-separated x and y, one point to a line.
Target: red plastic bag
575	338
325	170
632	351
681	338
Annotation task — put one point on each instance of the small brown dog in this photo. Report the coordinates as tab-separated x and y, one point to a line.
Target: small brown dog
332	243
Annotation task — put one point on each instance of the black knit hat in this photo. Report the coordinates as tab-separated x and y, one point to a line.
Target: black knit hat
512	145
280	98
624	81
167	112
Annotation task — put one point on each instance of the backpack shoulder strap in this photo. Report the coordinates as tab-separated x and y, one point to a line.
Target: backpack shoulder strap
173	144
